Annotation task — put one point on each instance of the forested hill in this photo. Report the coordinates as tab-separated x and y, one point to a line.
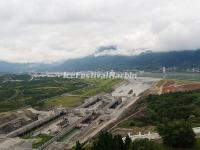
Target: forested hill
144	61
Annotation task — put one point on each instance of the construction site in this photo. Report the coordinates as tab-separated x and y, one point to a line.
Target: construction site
62	127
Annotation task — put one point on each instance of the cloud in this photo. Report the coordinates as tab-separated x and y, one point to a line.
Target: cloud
106	50
52	30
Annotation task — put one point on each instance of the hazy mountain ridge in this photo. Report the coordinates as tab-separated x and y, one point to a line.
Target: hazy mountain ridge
12	67
144	61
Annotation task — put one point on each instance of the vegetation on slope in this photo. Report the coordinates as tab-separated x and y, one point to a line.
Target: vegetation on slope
65	101
177	134
95	86
15	94
18	91
157	109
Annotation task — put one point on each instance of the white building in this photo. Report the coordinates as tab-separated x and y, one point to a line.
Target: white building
164	70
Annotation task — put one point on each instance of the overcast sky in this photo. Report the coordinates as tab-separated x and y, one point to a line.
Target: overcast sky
54	30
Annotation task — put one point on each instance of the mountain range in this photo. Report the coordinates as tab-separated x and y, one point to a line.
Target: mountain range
145	61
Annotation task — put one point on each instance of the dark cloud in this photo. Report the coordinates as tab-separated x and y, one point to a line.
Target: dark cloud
107	48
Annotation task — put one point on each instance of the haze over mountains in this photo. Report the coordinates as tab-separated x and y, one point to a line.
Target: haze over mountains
145	61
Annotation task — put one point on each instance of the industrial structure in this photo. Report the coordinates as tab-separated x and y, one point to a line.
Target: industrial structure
65	126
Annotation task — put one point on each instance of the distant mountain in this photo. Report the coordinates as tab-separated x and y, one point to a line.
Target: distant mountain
12	67
145	61
8	67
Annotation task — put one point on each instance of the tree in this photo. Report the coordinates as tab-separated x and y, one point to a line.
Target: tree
79	146
145	144
127	143
106	141
177	134
118	143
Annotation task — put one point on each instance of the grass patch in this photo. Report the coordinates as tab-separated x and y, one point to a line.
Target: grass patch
97	86
66	101
179	82
130	122
160	83
39	139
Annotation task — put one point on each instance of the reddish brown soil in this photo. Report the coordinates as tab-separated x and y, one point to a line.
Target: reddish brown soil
169	83
171	86
169	89
189	87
